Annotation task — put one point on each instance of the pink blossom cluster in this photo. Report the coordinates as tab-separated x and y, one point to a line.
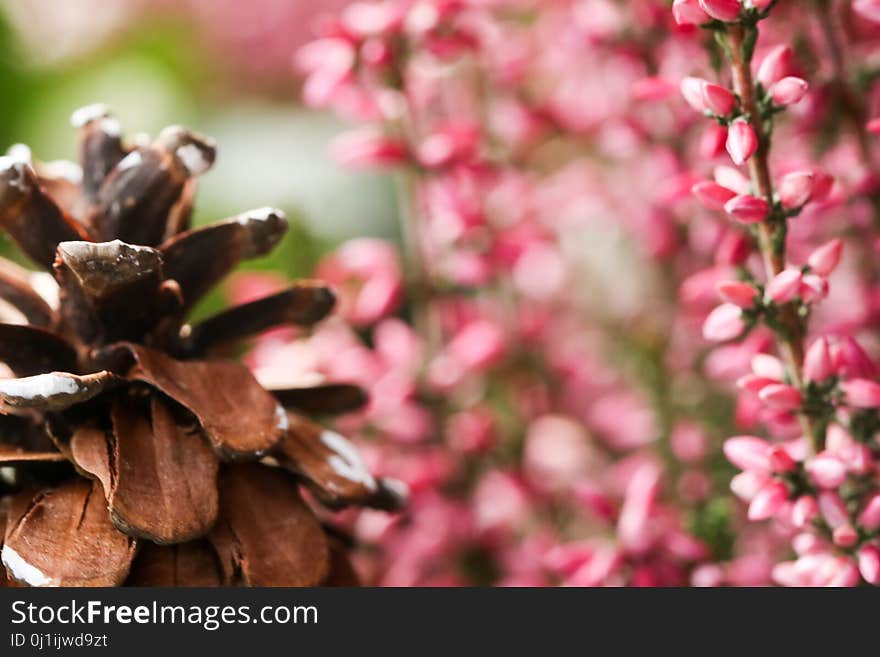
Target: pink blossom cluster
575	237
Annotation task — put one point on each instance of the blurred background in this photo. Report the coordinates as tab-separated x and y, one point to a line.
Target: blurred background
222	67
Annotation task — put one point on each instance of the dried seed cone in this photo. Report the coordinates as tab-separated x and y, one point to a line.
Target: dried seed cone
131	452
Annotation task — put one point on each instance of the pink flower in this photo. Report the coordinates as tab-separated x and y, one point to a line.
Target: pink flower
805	509
781	396
748	453
712	195
845	536
741	141
328	63
850	360
471	431
768	501
747	209
776	65
869	559
868	9
722	10
449	143
692	90
789	91
689	12
825	259
826	470
768	366
818	365
367	148
785	286
738	293
873	126
724	323
717	99
861	393
833	509
796	189
367	275
556	452
870	515
632	525
478	345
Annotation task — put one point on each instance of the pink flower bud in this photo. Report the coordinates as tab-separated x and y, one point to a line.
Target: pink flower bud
722	10
367	148
781	396
769	500
823	183
870	515
692	90
869	564
746	484
817	363
868	9
732	179
785	286
689	12
789	91
748	453
741	141
845	536
850	360
825	259
723	323
712	141
795	189
861	393
826	470
747	209
833	509
813	288
478	345
738	293
780	461
768	366
775	66
873	126
717	99
712	195
754	383
804	510
733	249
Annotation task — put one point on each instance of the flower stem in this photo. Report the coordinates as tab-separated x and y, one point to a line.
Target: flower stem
771	242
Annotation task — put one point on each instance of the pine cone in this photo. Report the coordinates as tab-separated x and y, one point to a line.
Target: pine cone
131	451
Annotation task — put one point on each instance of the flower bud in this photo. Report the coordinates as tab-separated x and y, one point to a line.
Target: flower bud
768	366
723	323
748	453
826	471
689	12
789	91
804	510
845	536
737	293
781	396
722	10
718	99
785	286
825	259
870	515
817	363
833	509
780	461
768	501
862	393
692	91
712	195
747	209
775	66
796	189
869	564
741	141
